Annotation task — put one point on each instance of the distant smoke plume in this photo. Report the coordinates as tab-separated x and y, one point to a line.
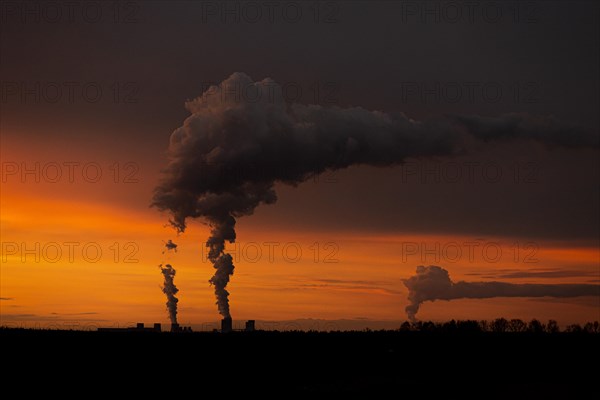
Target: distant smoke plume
241	138
170	290
433	283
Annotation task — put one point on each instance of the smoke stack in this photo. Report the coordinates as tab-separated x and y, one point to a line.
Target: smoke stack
250	325
226	325
175	327
157	327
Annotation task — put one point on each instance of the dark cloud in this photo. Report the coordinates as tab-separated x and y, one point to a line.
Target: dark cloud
227	156
6	298
433	283
540	273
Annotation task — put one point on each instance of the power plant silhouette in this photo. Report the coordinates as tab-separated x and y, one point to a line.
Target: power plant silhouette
226	327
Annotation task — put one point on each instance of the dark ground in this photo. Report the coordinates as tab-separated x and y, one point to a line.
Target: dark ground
276	364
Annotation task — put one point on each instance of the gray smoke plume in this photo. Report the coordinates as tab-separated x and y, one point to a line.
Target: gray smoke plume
170	290
223	228
241	138
433	283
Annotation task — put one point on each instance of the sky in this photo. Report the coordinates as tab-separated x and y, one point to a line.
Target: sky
91	93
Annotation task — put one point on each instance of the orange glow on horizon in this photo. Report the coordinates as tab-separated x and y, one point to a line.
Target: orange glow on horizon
280	275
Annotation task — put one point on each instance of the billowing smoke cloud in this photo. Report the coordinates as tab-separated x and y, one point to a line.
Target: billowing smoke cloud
170	290
433	283
242	137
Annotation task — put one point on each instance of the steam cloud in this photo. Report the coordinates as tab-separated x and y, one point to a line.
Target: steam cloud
242	137
433	283
170	290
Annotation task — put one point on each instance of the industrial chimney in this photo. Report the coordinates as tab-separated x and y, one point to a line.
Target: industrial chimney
250	325
175	328
226	325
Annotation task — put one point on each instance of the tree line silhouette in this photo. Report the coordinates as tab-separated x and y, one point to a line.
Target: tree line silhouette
499	325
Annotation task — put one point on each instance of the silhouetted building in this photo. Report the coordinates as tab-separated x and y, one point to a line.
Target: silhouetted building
226	325
250	325
157	327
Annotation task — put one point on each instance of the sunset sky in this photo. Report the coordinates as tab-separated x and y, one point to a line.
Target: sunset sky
78	175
